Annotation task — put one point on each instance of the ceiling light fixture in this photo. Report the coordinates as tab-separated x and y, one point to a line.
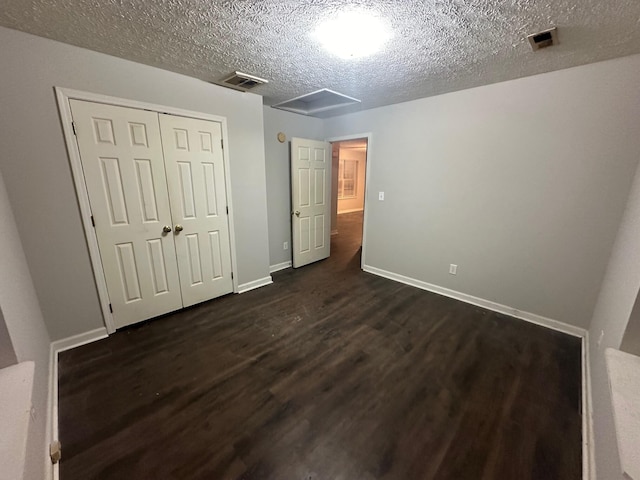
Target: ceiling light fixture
353	34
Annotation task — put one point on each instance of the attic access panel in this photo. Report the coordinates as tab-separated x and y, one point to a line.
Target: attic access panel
316	102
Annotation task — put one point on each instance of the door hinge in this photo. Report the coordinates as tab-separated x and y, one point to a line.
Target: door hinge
73	126
227	210
110	308
222	144
93	222
231	275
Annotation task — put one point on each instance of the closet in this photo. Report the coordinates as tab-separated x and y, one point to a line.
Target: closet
156	186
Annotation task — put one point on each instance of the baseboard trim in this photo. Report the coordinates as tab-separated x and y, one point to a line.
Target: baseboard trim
588	452
279	266
55	348
80	339
481	302
52	404
261	282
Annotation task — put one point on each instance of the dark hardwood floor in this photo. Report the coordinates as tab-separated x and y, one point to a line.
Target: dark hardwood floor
329	374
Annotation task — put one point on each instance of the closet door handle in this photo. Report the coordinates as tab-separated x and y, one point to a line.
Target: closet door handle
166	229
178	228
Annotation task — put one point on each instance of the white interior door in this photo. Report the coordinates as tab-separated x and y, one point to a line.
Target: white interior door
196	180
310	200
122	160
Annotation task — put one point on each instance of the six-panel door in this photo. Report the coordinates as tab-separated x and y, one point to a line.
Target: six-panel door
123	164
310	200
196	180
156	185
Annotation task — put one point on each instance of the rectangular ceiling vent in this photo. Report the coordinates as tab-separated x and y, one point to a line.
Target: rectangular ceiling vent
243	81
316	103
544	39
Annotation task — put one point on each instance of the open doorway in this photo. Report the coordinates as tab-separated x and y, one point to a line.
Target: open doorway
349	166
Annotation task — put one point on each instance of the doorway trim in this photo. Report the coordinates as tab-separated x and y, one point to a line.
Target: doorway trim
367	175
63	95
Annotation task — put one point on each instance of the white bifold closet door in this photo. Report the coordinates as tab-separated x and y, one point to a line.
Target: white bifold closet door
139	194
195	176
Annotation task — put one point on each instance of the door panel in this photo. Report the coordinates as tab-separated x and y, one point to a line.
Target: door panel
194	259
319	229
147	190
320	189
304	187
196	181
311	222
123	165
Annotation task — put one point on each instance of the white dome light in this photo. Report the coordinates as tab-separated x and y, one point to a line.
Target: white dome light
353	34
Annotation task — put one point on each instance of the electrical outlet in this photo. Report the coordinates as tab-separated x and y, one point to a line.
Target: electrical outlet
285	246
453	269
380	196
600	338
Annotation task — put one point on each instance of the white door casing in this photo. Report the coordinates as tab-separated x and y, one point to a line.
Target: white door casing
123	164
310	200
195	169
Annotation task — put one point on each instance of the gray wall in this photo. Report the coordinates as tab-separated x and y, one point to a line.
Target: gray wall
28	334
614	307
522	184
7	353
35	166
278	173
631	339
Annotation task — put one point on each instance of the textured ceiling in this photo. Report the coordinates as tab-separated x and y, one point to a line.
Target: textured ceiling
438	46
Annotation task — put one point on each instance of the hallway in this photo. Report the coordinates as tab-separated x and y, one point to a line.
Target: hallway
348	240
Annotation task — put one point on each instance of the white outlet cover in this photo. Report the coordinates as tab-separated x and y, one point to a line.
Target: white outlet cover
380	195
453	269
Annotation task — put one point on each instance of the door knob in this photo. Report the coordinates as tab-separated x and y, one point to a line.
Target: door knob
297	213
166	229
179	228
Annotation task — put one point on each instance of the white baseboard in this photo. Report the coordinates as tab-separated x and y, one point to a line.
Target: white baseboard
57	347
80	339
588	452
481	302
52	413
261	282
352	210
279	266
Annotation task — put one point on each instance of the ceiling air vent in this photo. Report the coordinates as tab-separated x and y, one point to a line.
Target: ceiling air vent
544	39
243	81
317	104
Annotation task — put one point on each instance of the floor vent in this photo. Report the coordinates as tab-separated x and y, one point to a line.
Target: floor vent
544	39
316	104
243	81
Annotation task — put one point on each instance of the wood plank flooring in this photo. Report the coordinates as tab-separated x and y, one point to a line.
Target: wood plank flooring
329	374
